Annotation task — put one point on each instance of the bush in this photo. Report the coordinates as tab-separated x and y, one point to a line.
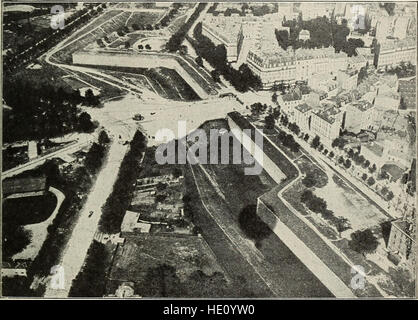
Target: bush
363	241
309	181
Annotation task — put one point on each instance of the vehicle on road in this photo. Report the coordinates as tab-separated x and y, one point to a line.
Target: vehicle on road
91	213
138	117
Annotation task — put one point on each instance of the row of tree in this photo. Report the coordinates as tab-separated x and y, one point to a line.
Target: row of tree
120	198
242	79
177	38
33	47
323	33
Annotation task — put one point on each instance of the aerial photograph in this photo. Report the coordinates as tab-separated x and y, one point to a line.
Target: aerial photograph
208	150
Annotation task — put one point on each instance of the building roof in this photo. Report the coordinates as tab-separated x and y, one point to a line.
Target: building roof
291	96
375	148
362	105
395	171
328	113
130	223
303	107
23	185
408	91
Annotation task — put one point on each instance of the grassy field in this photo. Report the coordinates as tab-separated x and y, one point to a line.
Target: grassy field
136	260
164	82
144	18
29	210
278	264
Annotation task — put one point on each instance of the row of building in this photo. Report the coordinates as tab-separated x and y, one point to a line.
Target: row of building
251	40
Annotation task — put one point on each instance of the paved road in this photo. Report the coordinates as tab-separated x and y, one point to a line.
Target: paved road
37	162
83	233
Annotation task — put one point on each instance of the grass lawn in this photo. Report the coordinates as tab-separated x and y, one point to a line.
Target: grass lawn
29	210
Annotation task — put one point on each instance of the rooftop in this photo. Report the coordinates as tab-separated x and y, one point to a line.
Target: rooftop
377	149
328	113
362	105
303	107
23	185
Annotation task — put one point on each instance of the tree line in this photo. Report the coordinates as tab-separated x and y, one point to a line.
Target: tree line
119	200
43	112
242	79
177	38
323	33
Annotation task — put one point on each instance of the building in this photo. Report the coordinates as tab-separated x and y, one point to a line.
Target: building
393	52
359	116
400	27
304	35
384	28
285	11
223	30
312	10
276	65
367	54
402	240
347	79
302	115
24	187
32	150
327	123
132	223
407	89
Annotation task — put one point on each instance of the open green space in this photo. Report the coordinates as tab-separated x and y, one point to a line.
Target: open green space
29	210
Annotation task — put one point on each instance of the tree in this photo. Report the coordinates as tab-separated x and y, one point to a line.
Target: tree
372	168
331	154
215	75
366	164
90	99
315	142
14	238
85	123
94	157
274	97
199	61
148	47
251	224
269	120
363	242
127	45
370	181
347	163
364	177
309	181
161	186
103	138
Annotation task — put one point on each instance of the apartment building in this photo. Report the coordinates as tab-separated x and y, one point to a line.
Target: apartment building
394	51
359	115
327	122
302	115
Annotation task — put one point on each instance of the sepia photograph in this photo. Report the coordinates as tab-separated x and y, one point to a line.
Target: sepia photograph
208	150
